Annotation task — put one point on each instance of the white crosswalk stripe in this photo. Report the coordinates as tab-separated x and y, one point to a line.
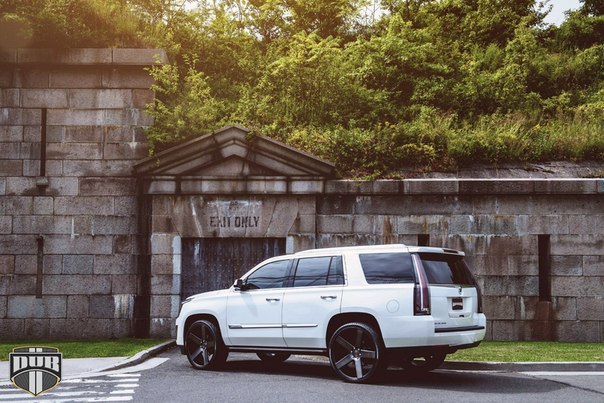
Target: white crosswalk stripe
108	388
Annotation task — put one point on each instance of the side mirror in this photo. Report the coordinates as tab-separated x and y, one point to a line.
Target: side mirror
238	284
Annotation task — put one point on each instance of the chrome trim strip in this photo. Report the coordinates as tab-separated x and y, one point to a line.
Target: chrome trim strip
300	326
255	326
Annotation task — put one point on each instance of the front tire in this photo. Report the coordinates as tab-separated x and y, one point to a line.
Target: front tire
204	346
355	353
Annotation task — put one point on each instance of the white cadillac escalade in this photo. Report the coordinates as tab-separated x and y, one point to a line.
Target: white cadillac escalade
364	307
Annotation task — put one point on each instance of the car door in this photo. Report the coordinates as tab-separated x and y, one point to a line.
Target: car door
254	311
315	296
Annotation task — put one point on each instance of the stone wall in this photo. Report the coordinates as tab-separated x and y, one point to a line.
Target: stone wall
71	125
497	222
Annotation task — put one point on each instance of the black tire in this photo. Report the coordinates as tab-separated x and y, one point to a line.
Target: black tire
355	353
273	357
423	363
204	346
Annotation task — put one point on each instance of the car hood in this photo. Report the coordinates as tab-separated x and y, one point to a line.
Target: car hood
209	294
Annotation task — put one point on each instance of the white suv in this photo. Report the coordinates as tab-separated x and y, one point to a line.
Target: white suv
364	307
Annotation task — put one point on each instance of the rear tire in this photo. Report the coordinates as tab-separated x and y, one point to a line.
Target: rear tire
355	353
423	363
204	346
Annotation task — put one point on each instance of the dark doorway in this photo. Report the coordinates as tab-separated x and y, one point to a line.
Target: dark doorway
215	263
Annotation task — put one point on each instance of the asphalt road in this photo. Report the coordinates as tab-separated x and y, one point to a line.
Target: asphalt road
247	379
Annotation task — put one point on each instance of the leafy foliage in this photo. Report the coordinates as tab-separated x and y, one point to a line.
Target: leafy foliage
375	86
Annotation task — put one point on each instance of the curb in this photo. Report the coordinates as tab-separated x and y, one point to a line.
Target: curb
524	366
141	356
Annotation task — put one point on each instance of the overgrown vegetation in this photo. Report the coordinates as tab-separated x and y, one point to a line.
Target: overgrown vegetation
374	86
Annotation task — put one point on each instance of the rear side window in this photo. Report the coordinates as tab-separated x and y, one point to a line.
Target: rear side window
319	271
446	269
383	268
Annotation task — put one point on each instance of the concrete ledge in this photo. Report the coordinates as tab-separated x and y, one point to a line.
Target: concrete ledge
524	366
142	356
85	56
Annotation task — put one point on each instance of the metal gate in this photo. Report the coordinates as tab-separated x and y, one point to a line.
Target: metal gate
215	263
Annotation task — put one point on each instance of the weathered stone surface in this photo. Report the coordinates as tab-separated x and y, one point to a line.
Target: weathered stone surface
78	306
28	306
585	331
593	265
77	284
114	264
67	244
590	308
7	264
78	264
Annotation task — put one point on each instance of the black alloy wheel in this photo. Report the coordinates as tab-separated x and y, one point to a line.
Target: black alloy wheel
355	353
204	346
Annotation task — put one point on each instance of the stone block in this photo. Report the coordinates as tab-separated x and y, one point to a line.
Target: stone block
37	328
124	244
21	284
78	264
567	265
162	224
577	286
53	264
500	307
122	134
110	225
30	77
77	284
6	225
565	308
10	151
162	327
593	265
97	205
11	133
107	187
165	306
9	97
19	116
3	307
78	306
126	206
526	308
28	306
340	224
74	151
431	186
516	285
164	244
102	306
591	244
139	57
495	186
526	265
165	284
511	330
583	331
17	244
7	264
100	98
590	309
584	224
66	244
41	225
548	224
163	264
2	186
566	185
82	134
11	329
21	186
115	264
129	151
114	168
11	168
127	78
124	284
142	97
43	205
44	98
31	168
90	77
89	328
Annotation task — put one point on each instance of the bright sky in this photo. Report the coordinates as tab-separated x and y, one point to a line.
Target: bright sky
556	16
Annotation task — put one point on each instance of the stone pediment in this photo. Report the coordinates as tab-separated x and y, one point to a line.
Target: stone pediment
233	152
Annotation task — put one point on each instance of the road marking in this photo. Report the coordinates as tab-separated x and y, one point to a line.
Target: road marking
562	373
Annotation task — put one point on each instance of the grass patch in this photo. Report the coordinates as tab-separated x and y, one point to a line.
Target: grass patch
531	351
84	348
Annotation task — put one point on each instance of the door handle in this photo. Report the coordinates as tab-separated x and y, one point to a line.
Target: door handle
273	299
328	297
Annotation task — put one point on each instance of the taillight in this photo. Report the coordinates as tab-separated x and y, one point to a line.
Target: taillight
421	292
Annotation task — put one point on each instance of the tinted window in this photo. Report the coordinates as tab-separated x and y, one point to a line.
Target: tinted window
270	275
319	271
446	269
380	268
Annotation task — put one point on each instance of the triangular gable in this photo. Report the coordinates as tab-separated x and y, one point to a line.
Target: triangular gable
233	152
